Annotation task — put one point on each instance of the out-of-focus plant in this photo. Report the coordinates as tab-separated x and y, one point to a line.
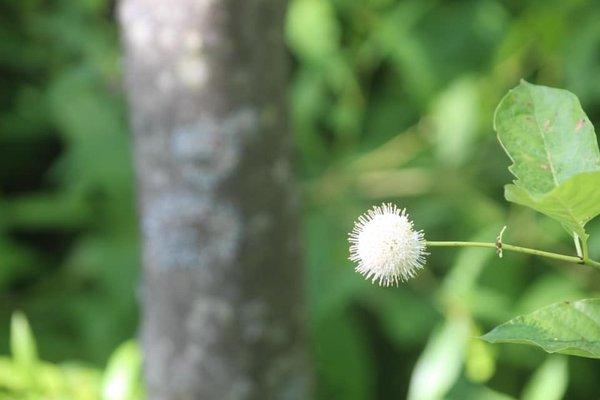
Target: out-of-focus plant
391	100
399	109
68	232
556	162
24	375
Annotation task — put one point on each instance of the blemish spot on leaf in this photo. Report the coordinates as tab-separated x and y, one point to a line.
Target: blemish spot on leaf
580	124
546	126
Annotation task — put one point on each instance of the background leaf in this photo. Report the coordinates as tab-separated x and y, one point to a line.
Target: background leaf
549	382
468	391
22	342
567	328
122	375
440	365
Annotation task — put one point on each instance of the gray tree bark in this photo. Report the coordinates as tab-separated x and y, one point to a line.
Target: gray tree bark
221	293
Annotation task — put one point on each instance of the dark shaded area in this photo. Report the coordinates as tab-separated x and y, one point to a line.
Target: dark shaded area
25	162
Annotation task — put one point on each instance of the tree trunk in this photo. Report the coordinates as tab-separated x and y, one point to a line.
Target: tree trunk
221	292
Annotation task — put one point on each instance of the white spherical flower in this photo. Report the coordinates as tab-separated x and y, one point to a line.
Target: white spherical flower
385	245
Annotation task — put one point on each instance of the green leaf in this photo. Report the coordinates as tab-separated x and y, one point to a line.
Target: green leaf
441	362
464	389
10	378
22	342
122	376
567	327
312	30
547	135
480	363
555	154
550	380
455	116
573	203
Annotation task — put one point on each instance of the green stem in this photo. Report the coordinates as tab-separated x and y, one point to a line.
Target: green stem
518	249
585	249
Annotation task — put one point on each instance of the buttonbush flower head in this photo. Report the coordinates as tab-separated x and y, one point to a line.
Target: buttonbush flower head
385	245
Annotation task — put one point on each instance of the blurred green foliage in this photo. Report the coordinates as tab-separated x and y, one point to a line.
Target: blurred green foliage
390	101
25	376
68	240
393	101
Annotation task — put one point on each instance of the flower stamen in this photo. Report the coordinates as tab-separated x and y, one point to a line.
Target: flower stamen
385	245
